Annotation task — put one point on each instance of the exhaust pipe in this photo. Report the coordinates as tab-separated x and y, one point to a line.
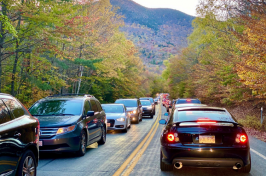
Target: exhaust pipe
237	166
178	165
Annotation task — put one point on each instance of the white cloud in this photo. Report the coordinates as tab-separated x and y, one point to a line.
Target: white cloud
186	6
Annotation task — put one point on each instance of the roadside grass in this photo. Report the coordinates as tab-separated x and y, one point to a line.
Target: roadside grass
251	122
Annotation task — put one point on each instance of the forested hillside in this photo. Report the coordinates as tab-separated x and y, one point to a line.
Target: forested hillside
70	48
157	33
225	60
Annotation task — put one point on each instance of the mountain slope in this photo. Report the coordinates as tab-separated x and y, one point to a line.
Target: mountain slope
158	33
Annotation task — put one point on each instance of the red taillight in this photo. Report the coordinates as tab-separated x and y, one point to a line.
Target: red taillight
241	138
205	120
170	137
188	100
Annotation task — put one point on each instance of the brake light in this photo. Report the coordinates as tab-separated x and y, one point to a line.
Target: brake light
241	138
205	120
173	137
170	137
188	100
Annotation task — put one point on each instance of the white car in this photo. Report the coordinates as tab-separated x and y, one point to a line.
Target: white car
117	117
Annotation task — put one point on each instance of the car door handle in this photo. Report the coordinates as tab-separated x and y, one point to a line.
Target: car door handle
17	134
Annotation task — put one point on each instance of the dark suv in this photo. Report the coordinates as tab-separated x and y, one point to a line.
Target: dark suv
152	102
133	107
19	137
69	123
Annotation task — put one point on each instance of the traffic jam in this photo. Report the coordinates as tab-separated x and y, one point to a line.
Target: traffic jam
193	135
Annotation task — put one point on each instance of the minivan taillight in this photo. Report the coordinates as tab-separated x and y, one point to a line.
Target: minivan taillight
37	132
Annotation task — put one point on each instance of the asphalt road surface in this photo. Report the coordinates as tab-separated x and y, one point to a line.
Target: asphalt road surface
109	158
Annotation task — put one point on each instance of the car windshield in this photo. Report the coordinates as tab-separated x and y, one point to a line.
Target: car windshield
181	101
57	107
194	115
127	103
145	102
113	108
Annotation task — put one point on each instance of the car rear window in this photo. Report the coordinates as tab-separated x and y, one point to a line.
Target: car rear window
194	115
57	107
127	103
113	108
188	101
145	102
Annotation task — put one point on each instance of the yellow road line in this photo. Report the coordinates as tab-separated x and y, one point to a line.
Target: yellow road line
137	158
133	154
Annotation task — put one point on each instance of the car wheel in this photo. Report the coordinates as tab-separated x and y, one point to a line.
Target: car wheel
247	168
83	144
125	130
140	117
163	166
151	115
167	109
27	166
103	138
154	111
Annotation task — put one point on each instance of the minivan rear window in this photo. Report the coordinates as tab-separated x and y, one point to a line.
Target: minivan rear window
194	115
187	101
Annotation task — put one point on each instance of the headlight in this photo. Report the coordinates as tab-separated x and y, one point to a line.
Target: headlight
65	129
121	119
150	107
134	112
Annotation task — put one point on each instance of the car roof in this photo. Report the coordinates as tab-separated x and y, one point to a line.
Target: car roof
145	100
69	97
127	99
112	104
4	95
187	98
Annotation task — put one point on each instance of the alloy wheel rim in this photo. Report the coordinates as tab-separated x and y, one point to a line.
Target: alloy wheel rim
83	143
28	167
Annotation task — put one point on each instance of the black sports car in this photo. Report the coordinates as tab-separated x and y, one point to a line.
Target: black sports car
204	137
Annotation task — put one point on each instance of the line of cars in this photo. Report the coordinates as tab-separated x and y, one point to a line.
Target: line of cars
197	135
60	123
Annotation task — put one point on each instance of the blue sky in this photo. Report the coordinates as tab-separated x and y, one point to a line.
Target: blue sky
186	6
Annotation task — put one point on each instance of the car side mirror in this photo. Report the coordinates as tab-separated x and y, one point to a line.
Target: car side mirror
166	114
162	122
90	113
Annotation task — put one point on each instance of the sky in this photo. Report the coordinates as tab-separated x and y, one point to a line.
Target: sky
186	6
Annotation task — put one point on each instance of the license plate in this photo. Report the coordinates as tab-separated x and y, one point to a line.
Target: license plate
207	139
40	143
108	124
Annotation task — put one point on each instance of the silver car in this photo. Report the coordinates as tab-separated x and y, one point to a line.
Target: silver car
117	117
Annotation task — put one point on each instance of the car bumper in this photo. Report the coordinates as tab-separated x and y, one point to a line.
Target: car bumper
60	143
116	125
206	157
147	112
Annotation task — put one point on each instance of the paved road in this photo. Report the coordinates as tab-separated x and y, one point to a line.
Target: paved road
106	159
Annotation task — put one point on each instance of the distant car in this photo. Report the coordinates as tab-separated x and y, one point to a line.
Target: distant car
204	137
19	138
187	100
147	108
133	107
152	102
70	122
187	105
117	117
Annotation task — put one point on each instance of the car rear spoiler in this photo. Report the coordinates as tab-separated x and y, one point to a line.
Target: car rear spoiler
217	123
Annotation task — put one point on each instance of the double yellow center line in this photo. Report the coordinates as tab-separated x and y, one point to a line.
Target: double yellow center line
137	153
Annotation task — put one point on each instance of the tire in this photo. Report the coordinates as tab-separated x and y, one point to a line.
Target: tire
83	144
27	161
247	168
163	166
154	111
140	119
125	130
103	138
151	115
137	122
167	109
